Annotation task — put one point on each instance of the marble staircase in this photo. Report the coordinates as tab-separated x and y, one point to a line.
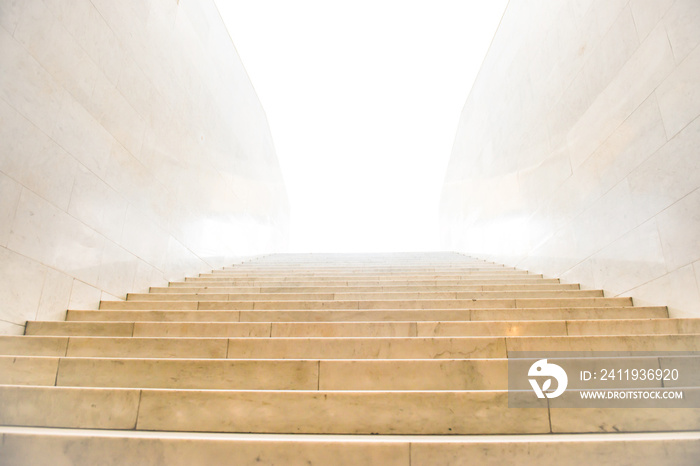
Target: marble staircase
386	359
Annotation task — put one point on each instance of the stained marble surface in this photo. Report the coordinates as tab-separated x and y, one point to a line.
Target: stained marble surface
339	412
68	447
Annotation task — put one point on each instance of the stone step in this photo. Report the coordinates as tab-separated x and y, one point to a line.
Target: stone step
291	329
255	348
372	276
368	276
95	329
443	315
461	303
300	329
365	329
345	296
357	289
252	374
418	262
282	281
377	268
362	270
525	280
593	343
319	374
257	271
322	412
414	346
633	327
335	348
564	327
457	267
85	447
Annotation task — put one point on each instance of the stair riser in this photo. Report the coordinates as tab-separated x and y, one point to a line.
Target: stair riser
160	297
333	348
314	344
256	374
358	289
304	329
268	348
364	272
323	272
366	329
90	449
270	412
94	447
367	277
322	374
526	280
371	315
370	304
364	267
465	412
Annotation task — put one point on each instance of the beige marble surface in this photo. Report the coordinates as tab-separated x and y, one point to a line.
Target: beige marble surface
432	381
495	328
344	329
20	370
33	346
70	448
568	451
147	347
338	412
134	150
606	343
367	348
583	127
68	407
520	280
154	315
451	374
112	329
301	288
569	313
368	315
189	374
353	316
63	447
201	329
615	419
633	327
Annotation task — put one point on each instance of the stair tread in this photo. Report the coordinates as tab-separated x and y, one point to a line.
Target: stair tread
289	345
471	438
326	411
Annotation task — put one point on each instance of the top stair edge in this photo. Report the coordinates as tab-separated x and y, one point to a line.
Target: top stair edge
367	271
365	266
581	327
224	287
292	281
363	257
365	276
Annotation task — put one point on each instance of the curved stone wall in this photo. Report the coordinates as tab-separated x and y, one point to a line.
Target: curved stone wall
577	150
133	150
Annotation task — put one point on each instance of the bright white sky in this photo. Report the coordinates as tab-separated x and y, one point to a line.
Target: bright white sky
363	98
